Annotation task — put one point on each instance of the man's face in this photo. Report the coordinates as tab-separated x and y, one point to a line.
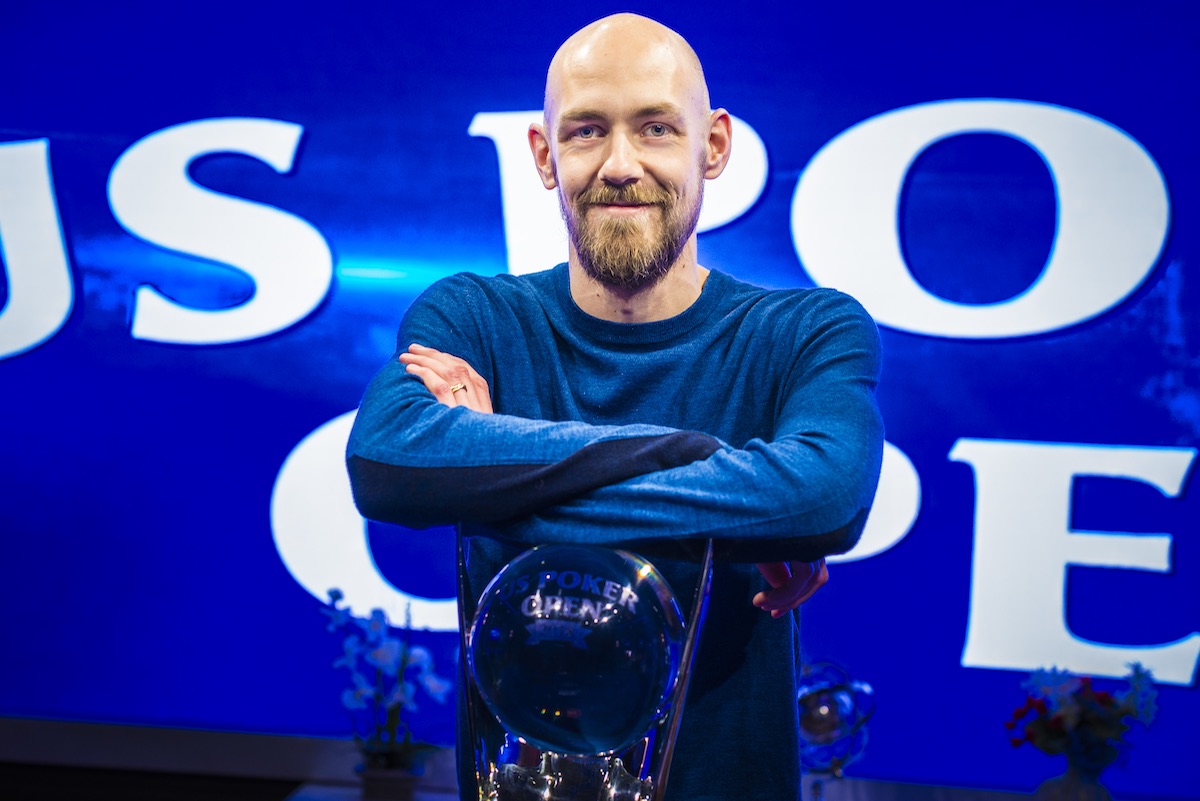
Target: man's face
628	136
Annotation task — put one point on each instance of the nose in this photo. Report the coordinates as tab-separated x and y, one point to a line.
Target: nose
622	164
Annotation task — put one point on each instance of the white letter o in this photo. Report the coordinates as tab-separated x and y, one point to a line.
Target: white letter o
1113	212
322	539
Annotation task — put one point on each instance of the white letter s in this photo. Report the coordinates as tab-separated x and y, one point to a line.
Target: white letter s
153	198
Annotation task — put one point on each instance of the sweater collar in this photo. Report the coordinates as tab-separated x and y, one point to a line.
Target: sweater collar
655	332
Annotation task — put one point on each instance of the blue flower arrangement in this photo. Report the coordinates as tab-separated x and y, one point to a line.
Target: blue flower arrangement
385	675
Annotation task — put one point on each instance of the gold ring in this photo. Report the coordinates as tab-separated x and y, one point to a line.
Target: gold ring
457	387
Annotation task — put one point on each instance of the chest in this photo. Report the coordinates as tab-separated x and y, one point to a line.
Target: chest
717	382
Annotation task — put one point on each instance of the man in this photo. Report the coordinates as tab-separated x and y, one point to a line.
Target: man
633	398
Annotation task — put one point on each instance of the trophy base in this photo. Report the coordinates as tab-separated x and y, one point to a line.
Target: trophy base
567	778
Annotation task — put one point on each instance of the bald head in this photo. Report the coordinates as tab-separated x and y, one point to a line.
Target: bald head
628	139
625	43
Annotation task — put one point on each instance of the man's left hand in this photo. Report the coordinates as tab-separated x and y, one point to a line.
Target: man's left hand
452	380
792	583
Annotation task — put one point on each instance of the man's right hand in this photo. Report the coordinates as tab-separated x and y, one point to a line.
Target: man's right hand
792	583
452	381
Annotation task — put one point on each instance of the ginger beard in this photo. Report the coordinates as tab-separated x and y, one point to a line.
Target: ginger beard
630	253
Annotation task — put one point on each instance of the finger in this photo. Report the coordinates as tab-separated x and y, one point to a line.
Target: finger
428	362
466	386
818	577
452	380
787	580
806	579
458	393
444	364
777	605
450	373
464	396
434	382
776	573
448	360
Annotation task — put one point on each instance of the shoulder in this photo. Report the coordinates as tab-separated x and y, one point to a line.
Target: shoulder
488	289
467	314
801	329
807	308
483	298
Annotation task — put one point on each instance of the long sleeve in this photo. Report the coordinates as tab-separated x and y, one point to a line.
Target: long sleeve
416	462
804	493
790	381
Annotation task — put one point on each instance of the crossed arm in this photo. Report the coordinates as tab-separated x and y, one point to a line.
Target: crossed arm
455	383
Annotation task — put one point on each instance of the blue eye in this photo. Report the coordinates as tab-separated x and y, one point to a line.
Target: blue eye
657	129
586	132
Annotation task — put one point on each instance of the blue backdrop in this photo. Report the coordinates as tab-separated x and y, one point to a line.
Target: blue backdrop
213	218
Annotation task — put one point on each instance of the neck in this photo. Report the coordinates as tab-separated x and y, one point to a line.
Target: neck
671	295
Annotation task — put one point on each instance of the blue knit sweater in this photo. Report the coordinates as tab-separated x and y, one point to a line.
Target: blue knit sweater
749	418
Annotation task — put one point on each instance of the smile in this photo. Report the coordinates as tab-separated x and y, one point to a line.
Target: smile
622	209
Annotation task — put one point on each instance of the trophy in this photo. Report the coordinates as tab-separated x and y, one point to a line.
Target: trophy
834	710
575	670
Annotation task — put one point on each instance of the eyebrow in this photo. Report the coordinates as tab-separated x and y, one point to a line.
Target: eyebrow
670	111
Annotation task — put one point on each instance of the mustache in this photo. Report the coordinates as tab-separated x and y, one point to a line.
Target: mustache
629	194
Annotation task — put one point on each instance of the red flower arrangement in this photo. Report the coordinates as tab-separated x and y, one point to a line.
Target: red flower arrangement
1066	714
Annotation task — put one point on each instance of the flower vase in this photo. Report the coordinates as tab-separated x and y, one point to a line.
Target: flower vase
388	784
1079	783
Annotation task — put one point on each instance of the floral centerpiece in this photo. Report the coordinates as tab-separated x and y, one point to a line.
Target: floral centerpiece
1067	714
385	673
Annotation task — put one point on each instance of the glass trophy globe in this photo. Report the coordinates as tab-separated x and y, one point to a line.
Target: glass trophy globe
834	710
575	649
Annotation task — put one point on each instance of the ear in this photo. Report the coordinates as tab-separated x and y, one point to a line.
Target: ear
539	144
720	141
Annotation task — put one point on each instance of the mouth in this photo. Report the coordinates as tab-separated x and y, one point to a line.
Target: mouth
621	209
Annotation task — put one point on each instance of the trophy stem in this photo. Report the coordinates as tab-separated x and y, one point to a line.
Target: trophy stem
666	747
468	686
